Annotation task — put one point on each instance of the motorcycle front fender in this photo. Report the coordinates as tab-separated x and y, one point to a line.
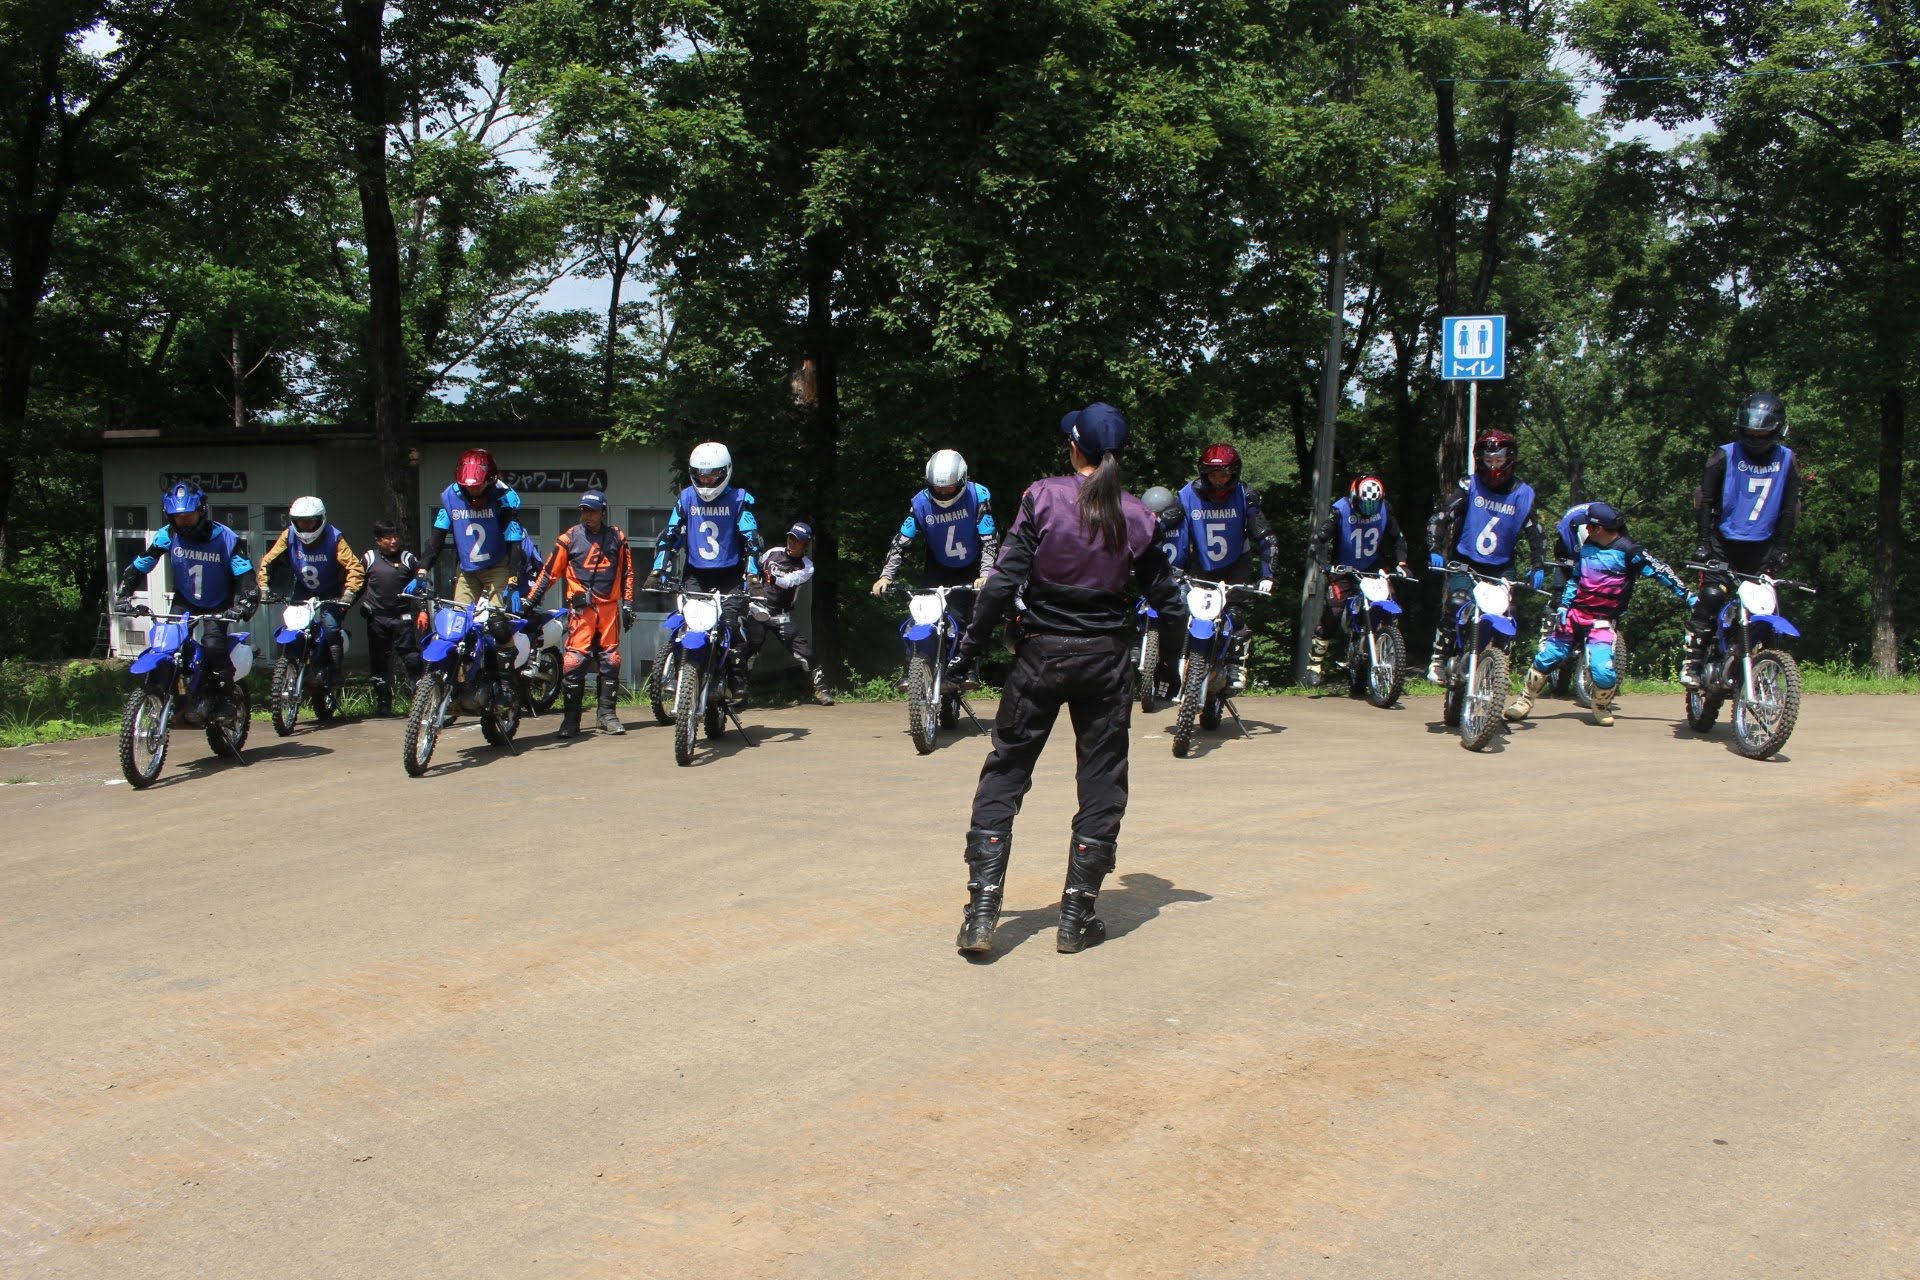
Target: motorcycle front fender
1503	626
1200	628
693	640
286	635
1388	606
916	633
149	660
1779	624
437	649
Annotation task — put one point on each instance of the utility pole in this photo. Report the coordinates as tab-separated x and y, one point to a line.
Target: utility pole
1323	450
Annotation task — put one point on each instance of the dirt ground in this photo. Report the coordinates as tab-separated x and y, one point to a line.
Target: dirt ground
1598	1003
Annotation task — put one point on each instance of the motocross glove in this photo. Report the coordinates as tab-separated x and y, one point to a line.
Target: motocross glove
1437	561
880	585
1775	561
1538	579
1266	586
626	617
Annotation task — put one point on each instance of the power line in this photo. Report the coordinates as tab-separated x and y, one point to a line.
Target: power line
1703	75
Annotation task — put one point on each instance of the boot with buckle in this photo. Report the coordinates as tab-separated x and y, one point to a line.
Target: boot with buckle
573	688
987	854
1088	862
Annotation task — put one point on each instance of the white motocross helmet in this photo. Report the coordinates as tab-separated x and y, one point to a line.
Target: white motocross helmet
305	509
946	470
711	456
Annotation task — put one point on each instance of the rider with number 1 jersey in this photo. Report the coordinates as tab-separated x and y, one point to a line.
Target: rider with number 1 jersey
479	510
209	567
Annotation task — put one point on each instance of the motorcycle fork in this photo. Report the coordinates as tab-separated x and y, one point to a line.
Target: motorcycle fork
1746	658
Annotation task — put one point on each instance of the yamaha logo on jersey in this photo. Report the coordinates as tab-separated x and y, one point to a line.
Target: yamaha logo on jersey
1768	467
1499	508
948	517
1214	513
713	511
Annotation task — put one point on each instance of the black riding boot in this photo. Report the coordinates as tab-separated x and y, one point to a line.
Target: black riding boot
572	689
987	854
1088	862
609	713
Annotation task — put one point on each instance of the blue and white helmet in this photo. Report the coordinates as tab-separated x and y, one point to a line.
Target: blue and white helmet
708	459
183	495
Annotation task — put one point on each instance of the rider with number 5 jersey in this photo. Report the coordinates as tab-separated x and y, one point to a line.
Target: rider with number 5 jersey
1218	531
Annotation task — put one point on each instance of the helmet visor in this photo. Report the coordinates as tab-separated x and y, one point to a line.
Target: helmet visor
307	524
708	479
944	492
1497	457
1217	477
184	519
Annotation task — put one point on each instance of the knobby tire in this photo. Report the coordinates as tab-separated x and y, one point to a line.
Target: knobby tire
1776	679
423	724
686	715
141	758
1193	692
922	715
1490	706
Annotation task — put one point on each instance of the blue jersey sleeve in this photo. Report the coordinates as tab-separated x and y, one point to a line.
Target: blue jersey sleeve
749	525
440	520
515	534
984	525
669	538
145	561
909	528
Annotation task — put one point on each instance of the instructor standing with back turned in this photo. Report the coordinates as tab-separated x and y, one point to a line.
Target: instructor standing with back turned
1073	545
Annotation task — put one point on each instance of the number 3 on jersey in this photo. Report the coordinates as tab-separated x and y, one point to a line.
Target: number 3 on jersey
709	541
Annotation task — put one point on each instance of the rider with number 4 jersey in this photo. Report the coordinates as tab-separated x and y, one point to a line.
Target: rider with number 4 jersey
955	516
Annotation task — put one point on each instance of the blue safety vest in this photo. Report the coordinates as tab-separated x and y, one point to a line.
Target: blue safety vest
316	569
1214	532
479	532
1359	537
1752	495
713	528
203	571
952	532
1490	530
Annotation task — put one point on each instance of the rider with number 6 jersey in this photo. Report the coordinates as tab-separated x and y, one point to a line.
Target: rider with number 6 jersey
479	511
1483	526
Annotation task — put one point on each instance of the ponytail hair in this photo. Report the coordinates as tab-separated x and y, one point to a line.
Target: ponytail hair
1100	510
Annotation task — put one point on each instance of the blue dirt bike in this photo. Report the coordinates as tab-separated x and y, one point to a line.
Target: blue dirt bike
1746	666
305	668
1376	659
694	672
1211	628
1478	678
174	688
929	634
471	656
1153	692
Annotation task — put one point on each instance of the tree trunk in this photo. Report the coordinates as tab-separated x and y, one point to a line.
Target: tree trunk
1322	500
1450	459
235	360
619	275
386	342
1895	330
824	446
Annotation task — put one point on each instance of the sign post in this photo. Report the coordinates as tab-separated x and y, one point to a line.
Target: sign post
1472	348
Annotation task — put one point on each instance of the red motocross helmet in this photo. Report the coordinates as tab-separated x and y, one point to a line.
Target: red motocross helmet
1494	454
475	472
1216	457
1368	493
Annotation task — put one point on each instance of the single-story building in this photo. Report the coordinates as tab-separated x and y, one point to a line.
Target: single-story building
251	478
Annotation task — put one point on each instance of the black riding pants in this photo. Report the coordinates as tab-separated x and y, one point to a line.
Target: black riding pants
783	628
1091	676
1715	588
387	635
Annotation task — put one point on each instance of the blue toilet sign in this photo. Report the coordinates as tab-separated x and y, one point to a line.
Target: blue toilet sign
1473	348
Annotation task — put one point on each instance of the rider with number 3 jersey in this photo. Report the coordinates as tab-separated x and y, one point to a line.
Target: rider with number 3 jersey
714	522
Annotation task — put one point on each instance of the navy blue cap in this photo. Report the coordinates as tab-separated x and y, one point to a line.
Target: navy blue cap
1098	429
593	500
801	530
1605	516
